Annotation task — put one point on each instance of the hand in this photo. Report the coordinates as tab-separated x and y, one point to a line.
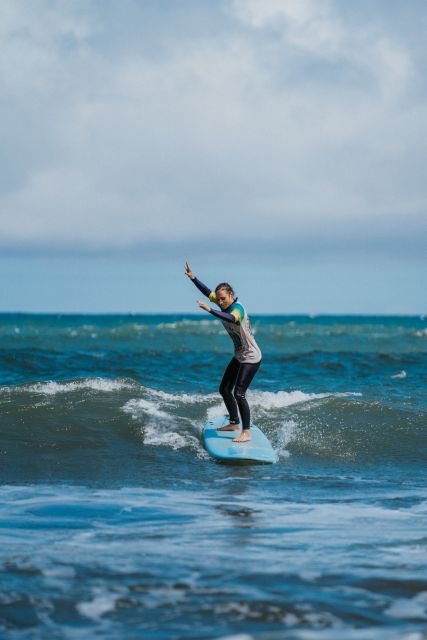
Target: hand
188	271
203	305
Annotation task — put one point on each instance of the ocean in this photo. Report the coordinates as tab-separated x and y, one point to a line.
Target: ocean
115	523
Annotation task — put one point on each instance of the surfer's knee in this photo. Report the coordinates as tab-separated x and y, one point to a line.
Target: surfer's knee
239	394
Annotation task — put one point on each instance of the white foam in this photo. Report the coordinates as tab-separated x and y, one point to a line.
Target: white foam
409	607
102	603
268	400
310	576
421	333
97	384
155	431
193	324
420	508
401	375
265	401
59	572
286	434
167	595
215	411
141	407
135	326
107	384
157	436
185	398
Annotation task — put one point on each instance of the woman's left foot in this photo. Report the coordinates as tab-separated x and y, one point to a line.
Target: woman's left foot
229	427
245	436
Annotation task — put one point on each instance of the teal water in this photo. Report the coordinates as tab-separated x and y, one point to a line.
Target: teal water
115	523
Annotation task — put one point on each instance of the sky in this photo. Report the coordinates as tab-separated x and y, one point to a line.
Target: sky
277	144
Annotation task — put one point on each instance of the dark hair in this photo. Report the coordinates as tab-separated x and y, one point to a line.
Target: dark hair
226	286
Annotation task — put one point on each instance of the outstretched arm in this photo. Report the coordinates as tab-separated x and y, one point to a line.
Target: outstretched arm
201	287
222	315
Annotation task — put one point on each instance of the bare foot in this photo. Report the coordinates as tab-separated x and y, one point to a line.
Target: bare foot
229	427
245	436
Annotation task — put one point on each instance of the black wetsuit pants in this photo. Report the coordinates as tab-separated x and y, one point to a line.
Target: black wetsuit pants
238	375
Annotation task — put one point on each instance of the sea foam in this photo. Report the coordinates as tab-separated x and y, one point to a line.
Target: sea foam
401	375
96	384
161	428
102	603
268	400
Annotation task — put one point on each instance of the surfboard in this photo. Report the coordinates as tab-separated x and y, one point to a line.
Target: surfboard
220	445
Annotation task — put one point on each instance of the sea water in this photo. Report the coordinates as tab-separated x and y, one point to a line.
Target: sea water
115	523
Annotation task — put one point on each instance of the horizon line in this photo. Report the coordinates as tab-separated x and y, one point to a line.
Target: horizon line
420	315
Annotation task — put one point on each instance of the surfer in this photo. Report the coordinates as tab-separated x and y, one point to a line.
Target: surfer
247	355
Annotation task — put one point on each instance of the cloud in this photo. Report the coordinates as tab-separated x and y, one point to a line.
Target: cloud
307	24
291	120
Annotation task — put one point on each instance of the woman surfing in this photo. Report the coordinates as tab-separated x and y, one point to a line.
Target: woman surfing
247	355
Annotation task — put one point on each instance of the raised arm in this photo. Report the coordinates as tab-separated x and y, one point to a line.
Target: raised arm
201	287
222	315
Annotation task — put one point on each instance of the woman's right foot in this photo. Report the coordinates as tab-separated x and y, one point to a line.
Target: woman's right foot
229	427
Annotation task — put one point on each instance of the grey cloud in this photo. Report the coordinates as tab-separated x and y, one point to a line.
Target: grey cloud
112	143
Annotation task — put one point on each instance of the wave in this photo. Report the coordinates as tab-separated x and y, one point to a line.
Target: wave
359	431
52	388
267	399
109	418
158	413
95	384
329	425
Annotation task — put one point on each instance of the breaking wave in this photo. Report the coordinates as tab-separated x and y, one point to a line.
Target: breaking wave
98	412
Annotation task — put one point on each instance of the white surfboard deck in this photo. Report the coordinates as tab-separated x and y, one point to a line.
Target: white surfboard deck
220	445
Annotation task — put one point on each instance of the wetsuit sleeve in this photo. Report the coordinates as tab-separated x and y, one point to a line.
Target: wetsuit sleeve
238	313
204	289
228	317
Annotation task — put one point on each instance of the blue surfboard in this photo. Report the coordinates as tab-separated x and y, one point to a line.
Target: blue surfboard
220	445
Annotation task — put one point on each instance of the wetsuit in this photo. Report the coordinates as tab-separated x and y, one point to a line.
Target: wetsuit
246	361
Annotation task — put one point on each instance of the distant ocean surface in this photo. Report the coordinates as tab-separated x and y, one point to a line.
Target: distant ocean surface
116	524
